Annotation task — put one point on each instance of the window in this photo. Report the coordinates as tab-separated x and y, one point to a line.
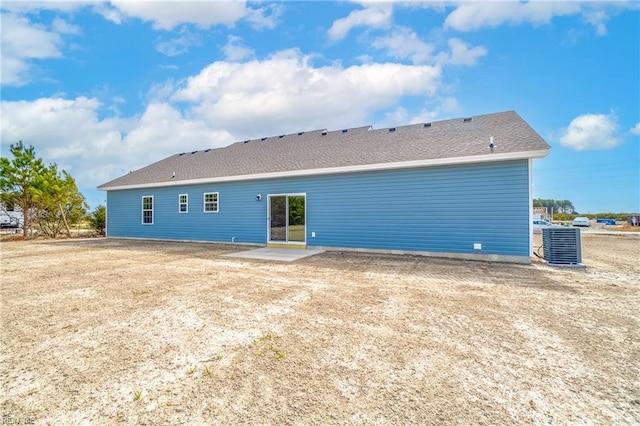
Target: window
147	210
211	202
183	203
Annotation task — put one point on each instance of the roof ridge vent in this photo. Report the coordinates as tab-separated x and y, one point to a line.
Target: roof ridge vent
467	119
181	154
247	141
392	129
193	152
281	136
345	130
300	133
264	139
427	125
207	150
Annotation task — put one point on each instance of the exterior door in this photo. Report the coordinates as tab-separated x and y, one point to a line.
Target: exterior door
287	218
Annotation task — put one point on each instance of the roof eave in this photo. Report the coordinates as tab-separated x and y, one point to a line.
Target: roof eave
484	158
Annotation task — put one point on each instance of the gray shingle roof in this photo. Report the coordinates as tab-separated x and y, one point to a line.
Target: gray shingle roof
439	140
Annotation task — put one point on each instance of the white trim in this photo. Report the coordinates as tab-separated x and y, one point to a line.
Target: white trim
142	209
530	164
506	258
204	202
180	203
346	169
286	195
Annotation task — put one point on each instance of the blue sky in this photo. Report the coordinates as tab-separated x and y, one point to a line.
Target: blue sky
102	88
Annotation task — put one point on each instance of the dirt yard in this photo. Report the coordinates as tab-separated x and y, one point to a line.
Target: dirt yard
107	332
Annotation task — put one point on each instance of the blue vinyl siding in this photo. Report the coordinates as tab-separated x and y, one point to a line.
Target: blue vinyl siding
435	209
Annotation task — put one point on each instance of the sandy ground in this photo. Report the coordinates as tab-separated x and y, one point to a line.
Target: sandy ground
108	332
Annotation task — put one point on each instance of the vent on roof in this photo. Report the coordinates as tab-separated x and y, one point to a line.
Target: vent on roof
466	120
193	152
181	154
392	129
207	150
281	136
345	130
427	125
263	139
324	132
247	141
300	133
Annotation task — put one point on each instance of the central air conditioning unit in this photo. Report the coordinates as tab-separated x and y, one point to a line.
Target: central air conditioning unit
562	246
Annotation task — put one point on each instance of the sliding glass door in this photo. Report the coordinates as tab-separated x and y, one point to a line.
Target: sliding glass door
287	218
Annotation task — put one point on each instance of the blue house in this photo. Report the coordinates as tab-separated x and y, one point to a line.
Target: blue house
455	188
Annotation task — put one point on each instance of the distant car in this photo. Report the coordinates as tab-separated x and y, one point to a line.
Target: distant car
538	225
581	221
11	223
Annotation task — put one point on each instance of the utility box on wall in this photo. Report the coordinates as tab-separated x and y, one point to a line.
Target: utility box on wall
562	246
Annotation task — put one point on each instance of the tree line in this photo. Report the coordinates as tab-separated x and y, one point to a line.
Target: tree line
558	206
48	197
564	210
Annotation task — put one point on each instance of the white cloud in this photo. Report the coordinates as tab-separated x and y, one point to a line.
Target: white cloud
60	26
461	53
107	12
439	108
59	127
403	116
265	17
377	15
591	131
597	18
405	44
286	93
30	6
167	15
22	42
180	44
235	51
469	16
162	131
94	150
161	91
475	15
636	129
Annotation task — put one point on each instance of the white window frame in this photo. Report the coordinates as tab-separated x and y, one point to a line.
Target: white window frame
217	202
146	210
186	203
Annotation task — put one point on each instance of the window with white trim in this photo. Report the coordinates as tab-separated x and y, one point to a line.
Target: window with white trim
183	203
210	202
147	210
